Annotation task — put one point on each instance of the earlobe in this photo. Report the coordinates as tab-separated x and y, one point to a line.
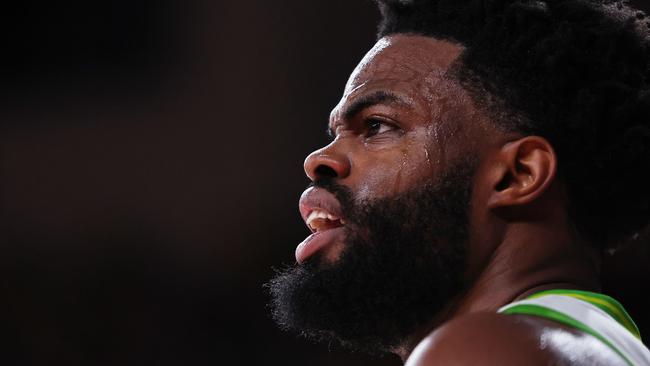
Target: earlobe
524	170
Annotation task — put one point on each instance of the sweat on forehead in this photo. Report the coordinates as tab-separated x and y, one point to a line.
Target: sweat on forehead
404	57
412	70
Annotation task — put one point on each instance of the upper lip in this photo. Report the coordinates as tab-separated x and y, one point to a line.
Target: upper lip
315	198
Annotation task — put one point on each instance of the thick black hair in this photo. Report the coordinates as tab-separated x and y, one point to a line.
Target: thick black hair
576	72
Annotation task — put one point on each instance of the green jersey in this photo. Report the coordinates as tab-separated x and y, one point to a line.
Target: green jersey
598	315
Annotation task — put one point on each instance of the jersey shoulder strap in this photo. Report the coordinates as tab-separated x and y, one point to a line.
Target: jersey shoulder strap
596	314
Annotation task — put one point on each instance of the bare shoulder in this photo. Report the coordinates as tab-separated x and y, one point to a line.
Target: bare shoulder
498	339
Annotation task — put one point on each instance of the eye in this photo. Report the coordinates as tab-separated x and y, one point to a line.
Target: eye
377	127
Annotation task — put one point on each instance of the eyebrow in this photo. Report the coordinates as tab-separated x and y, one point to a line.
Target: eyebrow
368	100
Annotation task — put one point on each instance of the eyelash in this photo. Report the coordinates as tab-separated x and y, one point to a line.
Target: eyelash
370	124
376	124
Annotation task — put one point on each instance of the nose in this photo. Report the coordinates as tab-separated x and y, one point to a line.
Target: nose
327	163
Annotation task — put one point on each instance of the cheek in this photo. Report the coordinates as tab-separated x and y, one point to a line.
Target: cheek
394	172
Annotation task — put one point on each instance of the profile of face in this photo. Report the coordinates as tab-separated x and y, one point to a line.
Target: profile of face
389	203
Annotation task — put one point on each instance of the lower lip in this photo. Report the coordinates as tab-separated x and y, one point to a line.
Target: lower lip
317	241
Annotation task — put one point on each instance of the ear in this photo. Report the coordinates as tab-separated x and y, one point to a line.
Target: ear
523	171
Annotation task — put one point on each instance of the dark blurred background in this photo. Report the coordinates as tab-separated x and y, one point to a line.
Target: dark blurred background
150	166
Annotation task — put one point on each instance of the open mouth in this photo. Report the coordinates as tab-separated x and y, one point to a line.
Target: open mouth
321	211
319	220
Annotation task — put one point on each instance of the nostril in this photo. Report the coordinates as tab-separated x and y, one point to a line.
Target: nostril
325	171
327	163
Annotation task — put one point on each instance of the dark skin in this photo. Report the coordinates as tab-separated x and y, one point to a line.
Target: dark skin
401	121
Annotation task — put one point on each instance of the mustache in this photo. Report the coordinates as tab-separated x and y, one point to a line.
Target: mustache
342	193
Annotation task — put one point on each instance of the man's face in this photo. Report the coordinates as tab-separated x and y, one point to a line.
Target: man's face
389	205
392	129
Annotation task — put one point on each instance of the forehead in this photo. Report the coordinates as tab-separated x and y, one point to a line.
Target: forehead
413	67
410	61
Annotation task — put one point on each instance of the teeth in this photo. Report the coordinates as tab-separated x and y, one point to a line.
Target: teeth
320	214
312	216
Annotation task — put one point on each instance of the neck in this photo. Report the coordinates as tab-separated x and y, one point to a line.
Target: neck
520	266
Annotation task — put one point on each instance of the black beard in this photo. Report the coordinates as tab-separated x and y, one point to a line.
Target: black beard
403	263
